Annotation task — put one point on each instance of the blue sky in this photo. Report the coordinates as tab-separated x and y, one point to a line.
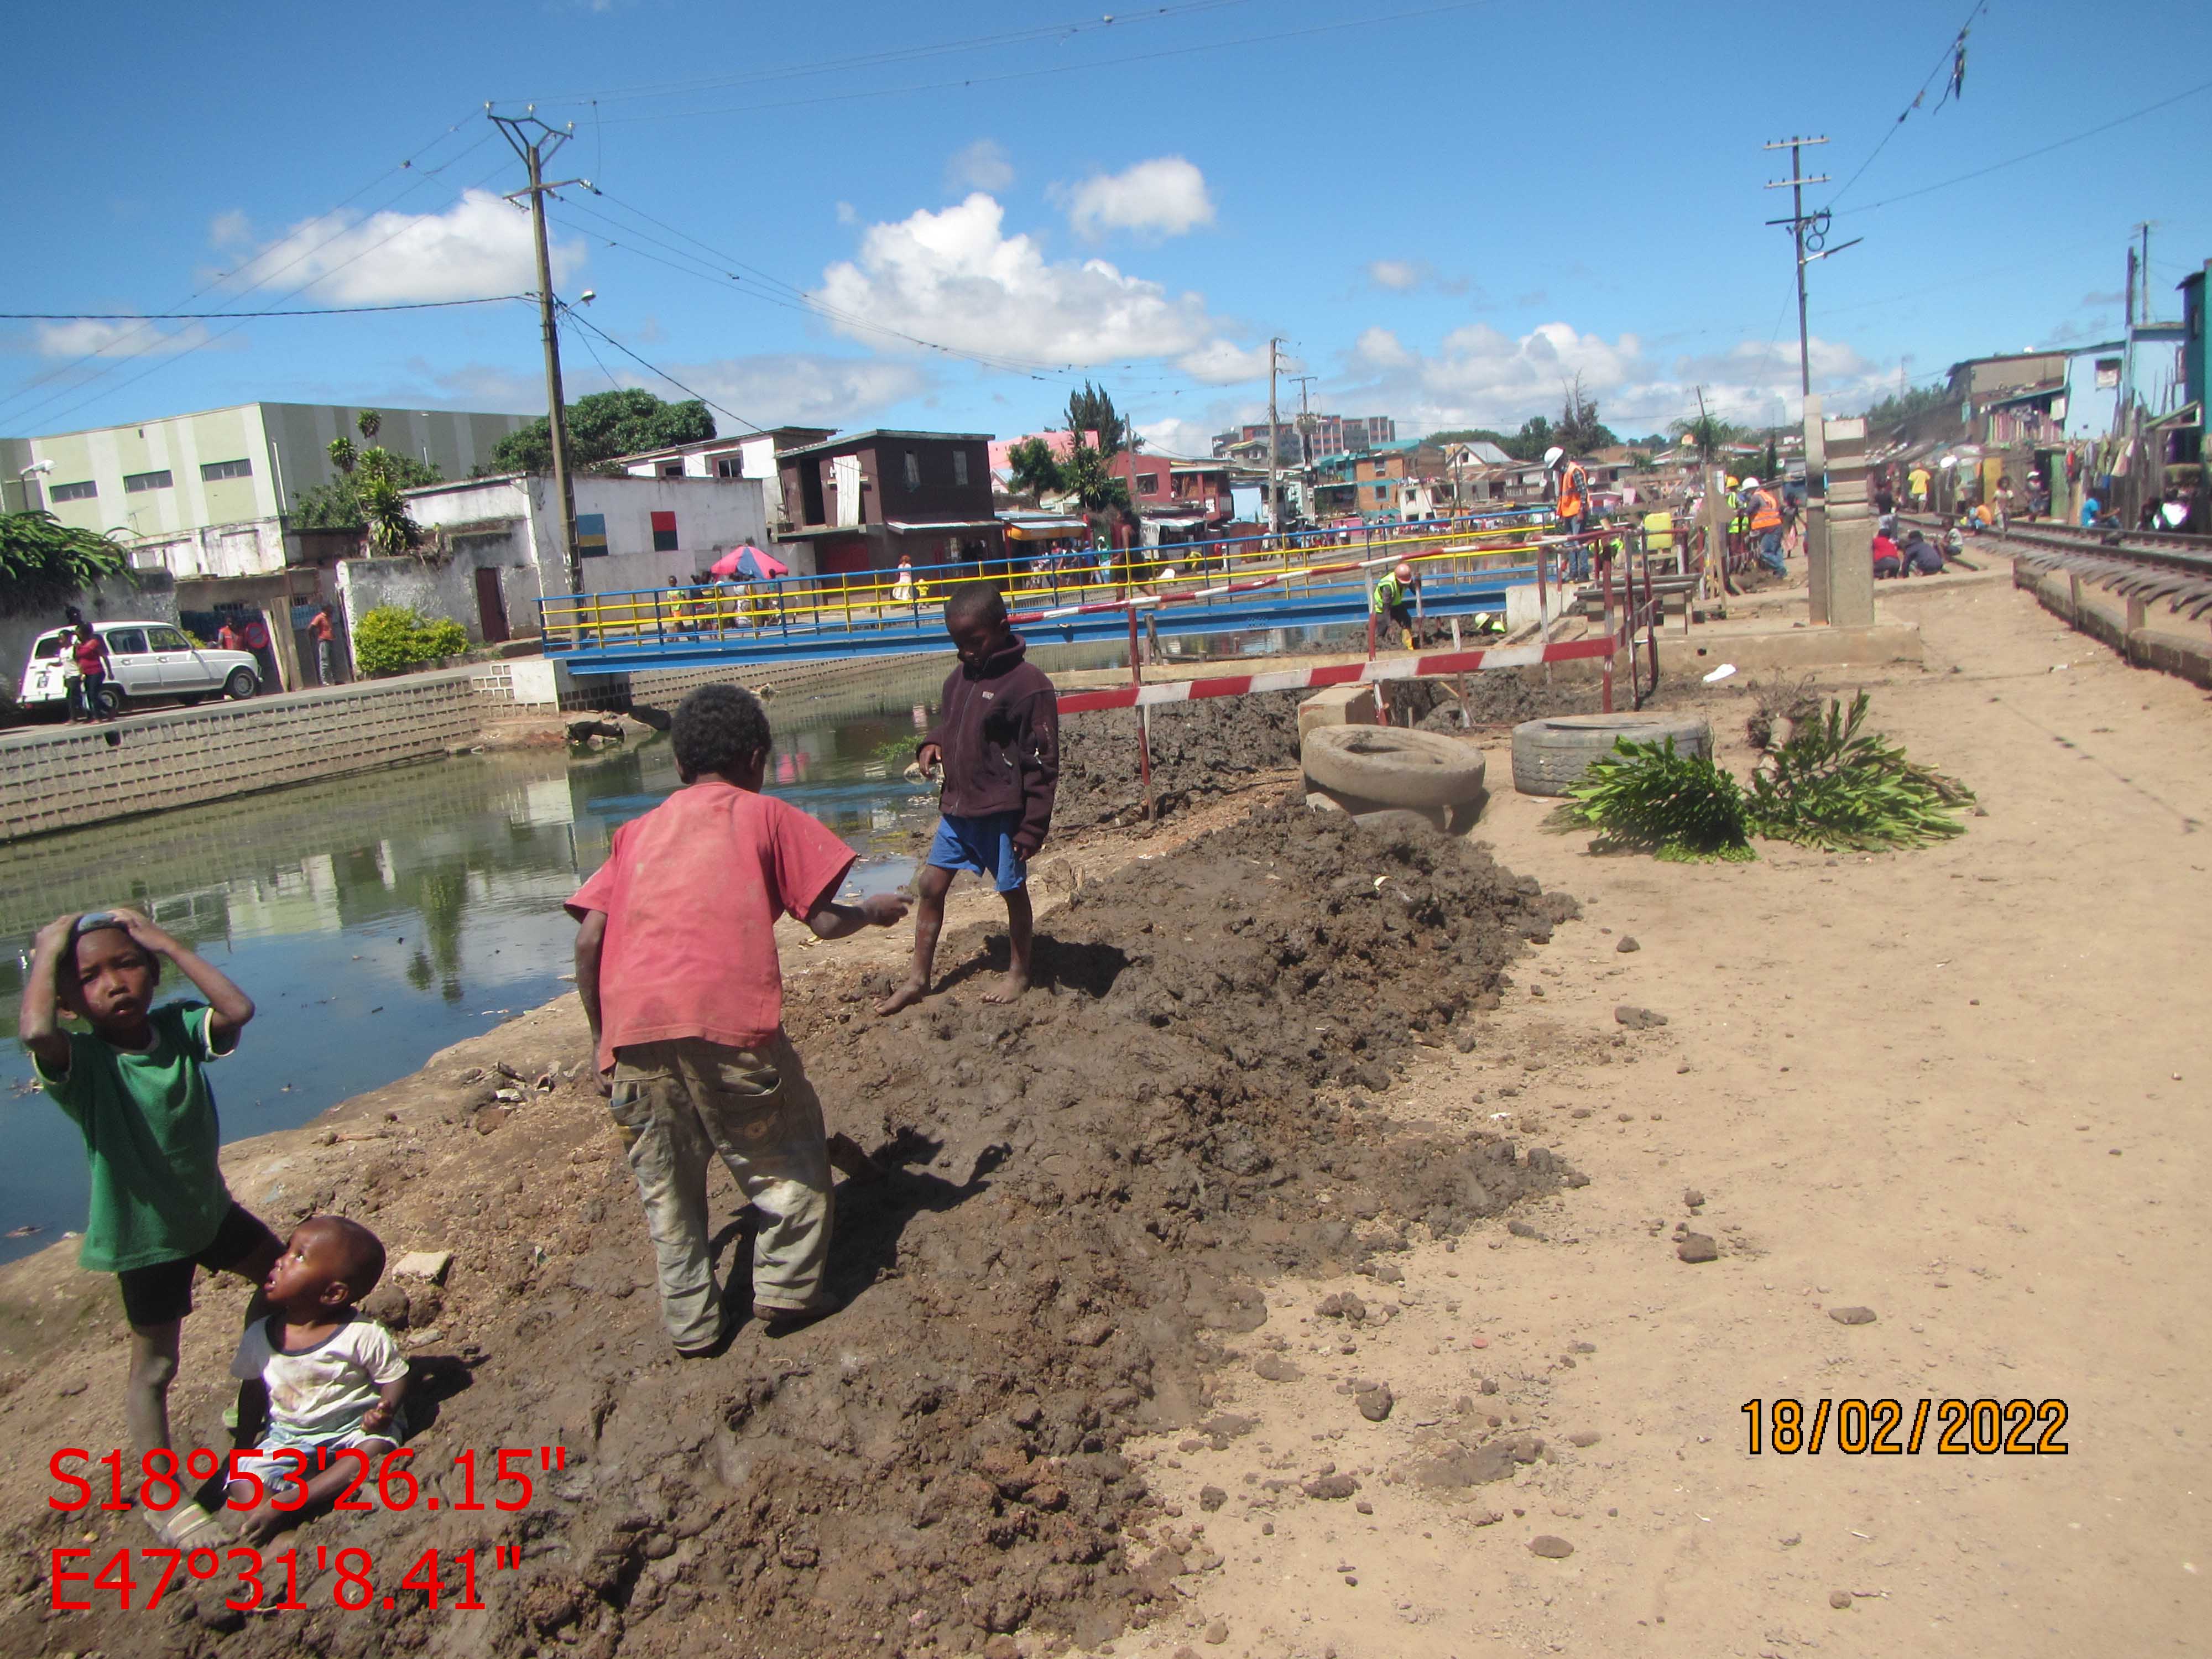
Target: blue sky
1444	210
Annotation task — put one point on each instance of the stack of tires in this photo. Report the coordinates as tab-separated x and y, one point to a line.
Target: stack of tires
1550	755
1388	778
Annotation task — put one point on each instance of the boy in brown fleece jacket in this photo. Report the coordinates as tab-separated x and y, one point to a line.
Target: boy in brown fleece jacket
998	733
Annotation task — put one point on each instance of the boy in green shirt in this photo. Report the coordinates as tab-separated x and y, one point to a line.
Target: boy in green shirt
135	1086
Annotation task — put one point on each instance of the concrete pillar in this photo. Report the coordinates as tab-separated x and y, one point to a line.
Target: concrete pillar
1851	526
1716	516
1817	586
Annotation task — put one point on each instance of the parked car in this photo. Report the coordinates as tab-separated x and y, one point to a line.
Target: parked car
154	661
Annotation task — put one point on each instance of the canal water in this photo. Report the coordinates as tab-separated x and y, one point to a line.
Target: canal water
374	920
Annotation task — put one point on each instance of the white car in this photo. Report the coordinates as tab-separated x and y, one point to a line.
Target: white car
150	661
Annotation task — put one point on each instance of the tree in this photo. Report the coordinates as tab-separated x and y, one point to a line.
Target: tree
1708	434
366	494
1579	431
44	561
1086	475
1470	435
602	429
1036	471
1091	409
1530	442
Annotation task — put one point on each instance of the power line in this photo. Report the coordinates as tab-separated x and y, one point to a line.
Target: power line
654	369
1087	67
407	164
2044	149
241	316
1949	57
1056	32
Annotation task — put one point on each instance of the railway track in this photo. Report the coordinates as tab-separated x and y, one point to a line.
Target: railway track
2146	567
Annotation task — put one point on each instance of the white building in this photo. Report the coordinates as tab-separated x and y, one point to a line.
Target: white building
496	544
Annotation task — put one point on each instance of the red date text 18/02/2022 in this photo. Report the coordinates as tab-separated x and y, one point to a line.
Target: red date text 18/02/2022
160	1479
272	1583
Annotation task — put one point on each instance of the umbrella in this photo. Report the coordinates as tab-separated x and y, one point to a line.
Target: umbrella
750	563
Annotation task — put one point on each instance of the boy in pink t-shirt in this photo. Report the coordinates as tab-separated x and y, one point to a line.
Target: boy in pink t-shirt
677	965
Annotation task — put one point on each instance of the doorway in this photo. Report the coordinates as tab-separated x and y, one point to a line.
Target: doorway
491	608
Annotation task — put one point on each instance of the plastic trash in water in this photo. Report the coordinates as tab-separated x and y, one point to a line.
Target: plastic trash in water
1721	673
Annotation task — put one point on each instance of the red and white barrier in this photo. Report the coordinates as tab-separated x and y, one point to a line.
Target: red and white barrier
1299	679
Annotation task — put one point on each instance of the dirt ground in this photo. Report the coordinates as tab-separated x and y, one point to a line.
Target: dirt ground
1186	1323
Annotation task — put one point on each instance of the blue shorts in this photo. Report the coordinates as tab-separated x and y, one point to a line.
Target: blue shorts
984	845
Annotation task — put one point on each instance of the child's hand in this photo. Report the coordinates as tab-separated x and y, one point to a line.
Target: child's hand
55	935
929	757
377	1416
142	929
883	910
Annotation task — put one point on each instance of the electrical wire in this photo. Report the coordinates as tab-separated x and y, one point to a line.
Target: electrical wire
1942	63
2042	150
241	316
571	313
1089	66
118	359
1054	32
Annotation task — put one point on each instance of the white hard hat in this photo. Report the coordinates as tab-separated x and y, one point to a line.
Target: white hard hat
1553	455
1751	483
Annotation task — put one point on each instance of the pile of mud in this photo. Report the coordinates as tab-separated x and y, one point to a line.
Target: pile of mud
1203	751
1084	1186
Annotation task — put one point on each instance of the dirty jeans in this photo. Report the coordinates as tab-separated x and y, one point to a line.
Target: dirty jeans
1769	551
681	1101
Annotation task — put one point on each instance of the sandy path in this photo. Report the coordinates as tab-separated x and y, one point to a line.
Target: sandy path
1962	1088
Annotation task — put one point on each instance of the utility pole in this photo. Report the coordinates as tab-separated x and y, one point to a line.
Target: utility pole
536	143
1305	420
1807	230
1274	447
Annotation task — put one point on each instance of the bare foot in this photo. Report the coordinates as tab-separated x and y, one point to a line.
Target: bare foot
1009	989
905	997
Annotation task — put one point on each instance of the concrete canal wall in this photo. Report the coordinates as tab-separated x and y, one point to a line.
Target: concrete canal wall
69	777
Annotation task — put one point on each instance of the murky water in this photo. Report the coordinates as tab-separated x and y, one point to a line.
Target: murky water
376	918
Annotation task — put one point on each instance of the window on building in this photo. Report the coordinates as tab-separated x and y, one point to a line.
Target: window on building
960	468
2108	373
1148	483
729	467
663	532
73	492
211	471
137	483
913	471
671	468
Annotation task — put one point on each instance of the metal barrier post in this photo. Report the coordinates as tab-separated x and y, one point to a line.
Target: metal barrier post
1651	614
1143	729
1613	639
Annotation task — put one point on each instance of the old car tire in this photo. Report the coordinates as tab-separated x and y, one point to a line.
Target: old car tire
241	684
113	702
1393	767
1550	755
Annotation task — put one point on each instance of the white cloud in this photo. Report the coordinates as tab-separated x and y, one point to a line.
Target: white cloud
89	337
1480	377
1176	437
480	245
1396	274
955	277
983	165
798	388
230	229
1224	363
1163	196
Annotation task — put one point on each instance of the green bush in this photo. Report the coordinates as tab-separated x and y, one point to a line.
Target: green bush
394	637
1647	798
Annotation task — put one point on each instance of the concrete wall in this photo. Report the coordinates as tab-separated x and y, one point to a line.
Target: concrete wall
66	778
448	586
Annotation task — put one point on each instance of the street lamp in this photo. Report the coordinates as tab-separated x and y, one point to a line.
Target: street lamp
23	479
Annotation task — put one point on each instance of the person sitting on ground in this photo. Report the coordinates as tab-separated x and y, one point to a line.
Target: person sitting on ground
336	1381
998	735
676	969
1393	598
134	1084
1888	561
1922	557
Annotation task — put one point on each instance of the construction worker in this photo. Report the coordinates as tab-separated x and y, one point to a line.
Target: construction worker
1764	508
1571	497
1393	598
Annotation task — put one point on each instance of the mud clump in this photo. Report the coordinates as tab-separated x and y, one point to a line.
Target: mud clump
1201	751
1082	1189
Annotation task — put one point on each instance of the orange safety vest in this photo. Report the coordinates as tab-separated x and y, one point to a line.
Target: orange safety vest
1574	484
1766	512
